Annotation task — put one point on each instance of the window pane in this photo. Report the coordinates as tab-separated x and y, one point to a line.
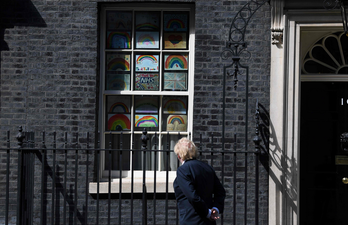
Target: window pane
175	41
174	114
119	28
174	105
176	61
117	81
152	158
146	62
147	30
146	104
117	62
117	141
146	82
170	159
147	21
174	21
175	81
118	113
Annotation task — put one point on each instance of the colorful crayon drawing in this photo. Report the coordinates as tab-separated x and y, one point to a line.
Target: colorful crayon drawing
119	122
147	40
118	40
175	22
146	121
118	62
147	20
147	105
177	123
174	105
175	40
175	81
119	107
146	63
118	82
117	20
175	62
146	82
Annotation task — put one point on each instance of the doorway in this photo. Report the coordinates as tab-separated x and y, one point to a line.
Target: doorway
323	163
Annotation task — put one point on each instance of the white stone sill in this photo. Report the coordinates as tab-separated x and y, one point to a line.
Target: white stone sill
137	185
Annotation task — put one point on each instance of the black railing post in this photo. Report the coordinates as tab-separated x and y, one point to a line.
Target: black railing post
43	161
144	140
7	177
20	137
53	176
257	141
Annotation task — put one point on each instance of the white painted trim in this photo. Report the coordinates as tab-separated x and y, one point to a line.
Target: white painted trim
284	113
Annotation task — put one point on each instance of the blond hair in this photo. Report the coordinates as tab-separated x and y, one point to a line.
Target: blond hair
186	149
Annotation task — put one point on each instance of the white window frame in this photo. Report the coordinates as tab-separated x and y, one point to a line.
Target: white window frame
161	175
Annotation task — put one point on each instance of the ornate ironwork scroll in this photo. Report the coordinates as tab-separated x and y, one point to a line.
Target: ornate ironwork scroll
236	49
333	4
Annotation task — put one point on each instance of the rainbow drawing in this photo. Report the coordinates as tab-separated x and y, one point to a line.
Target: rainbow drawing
175	24
146	62
146	26
118	63
118	40
147	20
146	105
118	82
146	121
119	122
151	58
119	107
146	40
175	62
174	105
176	119
177	123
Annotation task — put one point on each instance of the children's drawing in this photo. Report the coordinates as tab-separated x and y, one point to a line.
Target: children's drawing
146	105
147	39
175	22
146	63
175	62
146	120
117	82
147	20
177	123
119	122
118	104
175	41
146	82
118	39
174	105
117	62
175	81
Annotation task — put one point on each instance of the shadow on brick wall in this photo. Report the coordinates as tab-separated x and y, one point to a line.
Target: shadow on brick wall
16	13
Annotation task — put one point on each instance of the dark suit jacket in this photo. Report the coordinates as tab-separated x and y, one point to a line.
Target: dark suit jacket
197	189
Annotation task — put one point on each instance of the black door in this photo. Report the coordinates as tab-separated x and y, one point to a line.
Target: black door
323	163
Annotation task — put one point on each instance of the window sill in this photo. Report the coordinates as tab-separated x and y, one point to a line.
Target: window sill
127	186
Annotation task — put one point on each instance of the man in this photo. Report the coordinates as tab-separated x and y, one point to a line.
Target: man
194	187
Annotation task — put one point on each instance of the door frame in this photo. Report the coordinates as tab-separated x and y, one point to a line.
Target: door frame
285	113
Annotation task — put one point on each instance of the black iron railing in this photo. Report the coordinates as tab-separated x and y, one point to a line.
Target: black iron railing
51	185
